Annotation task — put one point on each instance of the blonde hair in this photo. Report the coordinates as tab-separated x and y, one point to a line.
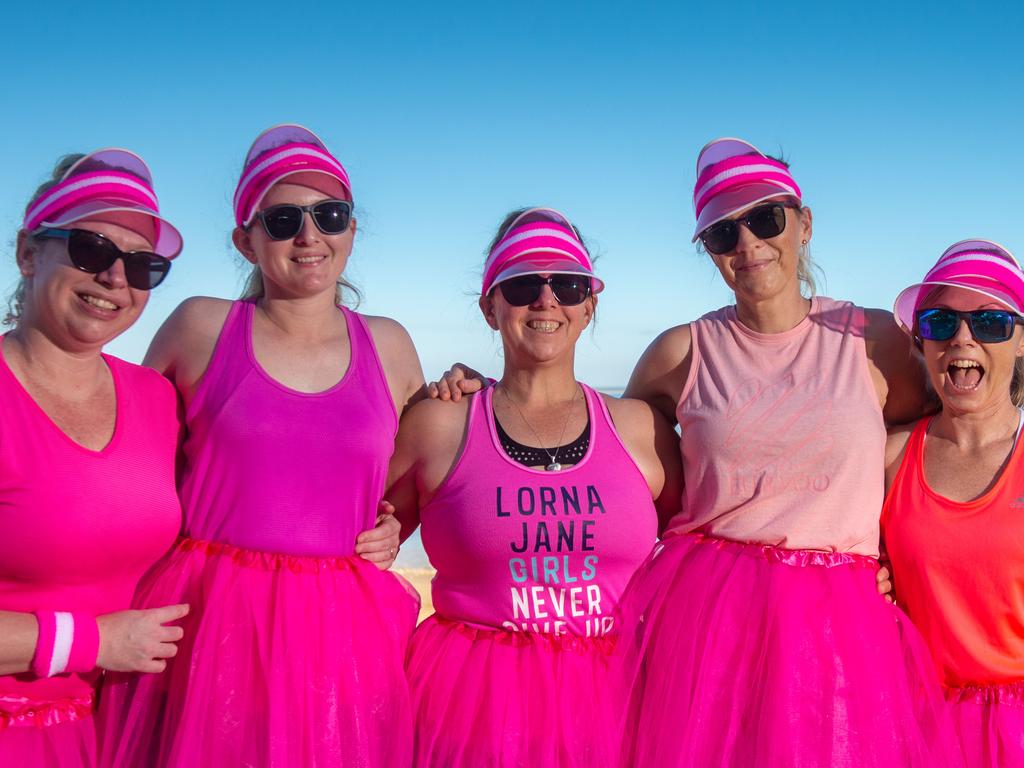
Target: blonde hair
16	301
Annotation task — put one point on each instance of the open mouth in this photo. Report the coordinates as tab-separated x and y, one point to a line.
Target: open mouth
965	374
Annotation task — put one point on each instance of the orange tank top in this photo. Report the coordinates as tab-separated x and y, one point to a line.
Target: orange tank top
959	568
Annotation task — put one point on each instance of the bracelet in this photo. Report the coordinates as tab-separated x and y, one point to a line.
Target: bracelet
68	642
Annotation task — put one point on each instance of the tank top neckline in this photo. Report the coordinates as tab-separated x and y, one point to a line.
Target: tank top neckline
248	328
488	407
985	498
774	338
115	438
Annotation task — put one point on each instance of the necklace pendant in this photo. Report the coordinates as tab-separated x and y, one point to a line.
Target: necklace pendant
554	466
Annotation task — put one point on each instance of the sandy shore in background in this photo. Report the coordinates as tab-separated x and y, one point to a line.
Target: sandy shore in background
420	578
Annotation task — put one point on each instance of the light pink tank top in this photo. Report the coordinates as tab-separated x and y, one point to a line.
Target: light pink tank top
276	470
782	436
78	528
528	550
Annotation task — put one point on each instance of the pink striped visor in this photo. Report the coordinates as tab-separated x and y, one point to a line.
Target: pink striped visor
539	241
733	175
287	151
109	184
977	265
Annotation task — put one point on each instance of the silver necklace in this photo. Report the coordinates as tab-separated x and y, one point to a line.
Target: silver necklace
554	466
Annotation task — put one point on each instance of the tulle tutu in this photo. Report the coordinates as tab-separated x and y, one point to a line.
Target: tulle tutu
990	723
485	698
749	655
286	661
60	734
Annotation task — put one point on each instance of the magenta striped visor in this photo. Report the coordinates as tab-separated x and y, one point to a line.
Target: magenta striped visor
109	184
539	241
287	151
733	175
981	266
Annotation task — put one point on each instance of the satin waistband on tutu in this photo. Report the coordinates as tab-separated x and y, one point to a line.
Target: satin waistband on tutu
18	711
271	561
998	693
603	644
800	558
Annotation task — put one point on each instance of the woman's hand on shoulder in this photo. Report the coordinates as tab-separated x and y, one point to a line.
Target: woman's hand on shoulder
457	381
662	370
183	346
398	356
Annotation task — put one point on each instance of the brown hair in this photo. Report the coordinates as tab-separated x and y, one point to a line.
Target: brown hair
16	300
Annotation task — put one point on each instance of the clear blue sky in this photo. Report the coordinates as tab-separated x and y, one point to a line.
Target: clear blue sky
903	127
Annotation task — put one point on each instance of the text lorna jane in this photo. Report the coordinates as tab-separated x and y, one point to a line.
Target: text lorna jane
554	571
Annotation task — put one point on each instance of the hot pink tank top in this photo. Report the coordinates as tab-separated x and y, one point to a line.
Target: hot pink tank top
959	568
78	528
276	470
528	550
782	436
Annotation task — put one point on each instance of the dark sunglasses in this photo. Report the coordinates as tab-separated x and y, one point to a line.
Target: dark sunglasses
569	290
764	221
283	222
988	326
93	253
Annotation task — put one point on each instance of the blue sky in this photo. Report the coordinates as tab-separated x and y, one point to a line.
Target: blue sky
902	126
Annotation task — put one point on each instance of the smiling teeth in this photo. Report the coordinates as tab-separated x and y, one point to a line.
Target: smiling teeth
308	259
964	364
543	325
98	302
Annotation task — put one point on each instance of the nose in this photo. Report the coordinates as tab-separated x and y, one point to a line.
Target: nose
963	333
546	298
308	234
745	239
113	276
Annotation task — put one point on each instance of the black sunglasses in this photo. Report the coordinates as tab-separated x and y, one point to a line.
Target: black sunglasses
988	326
93	253
764	221
569	289
283	222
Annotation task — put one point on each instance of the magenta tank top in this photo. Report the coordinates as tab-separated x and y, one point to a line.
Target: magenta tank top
528	550
273	469
78	528
782	436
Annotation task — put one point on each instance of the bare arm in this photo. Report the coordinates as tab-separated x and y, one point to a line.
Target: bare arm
183	347
660	374
130	641
401	363
429	442
897	370
654	445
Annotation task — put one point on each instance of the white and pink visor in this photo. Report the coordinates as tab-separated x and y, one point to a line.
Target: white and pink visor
292	152
981	266
108	185
539	241
733	175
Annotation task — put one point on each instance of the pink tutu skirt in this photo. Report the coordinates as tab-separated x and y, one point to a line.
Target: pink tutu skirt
990	723
749	655
286	661
60	734
489	698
